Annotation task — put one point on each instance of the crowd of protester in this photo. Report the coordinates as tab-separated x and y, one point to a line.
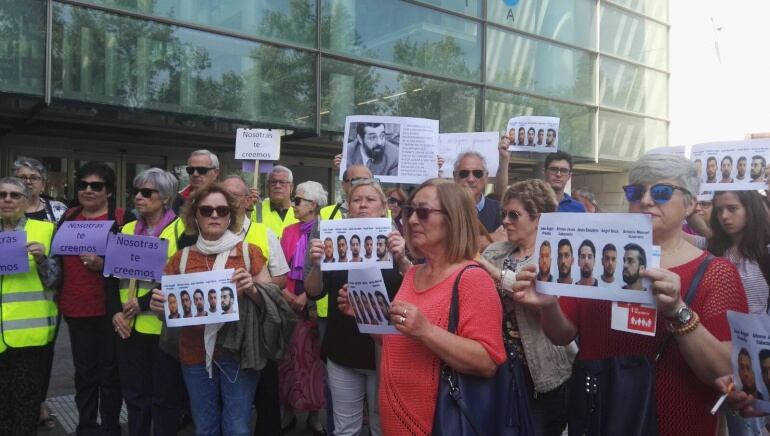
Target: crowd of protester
444	232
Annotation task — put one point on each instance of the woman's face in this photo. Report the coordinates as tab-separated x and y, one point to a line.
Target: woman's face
395	201
214	226
147	206
304	209
92	197
522	229
432	231
666	217
365	202
730	213
13	203
33	179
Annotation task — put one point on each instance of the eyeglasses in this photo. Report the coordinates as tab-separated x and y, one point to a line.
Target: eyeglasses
82	185
146	192
31	179
356	179
201	170
422	212
207	211
661	193
463	174
298	200
396	201
559	171
278	182
13	194
512	215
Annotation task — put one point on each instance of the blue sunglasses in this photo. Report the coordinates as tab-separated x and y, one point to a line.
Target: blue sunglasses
661	193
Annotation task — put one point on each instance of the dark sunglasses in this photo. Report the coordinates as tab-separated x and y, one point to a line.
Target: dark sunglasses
512	215
207	211
13	194
396	201
299	200
81	185
661	193
463	174
422	212
201	170
146	192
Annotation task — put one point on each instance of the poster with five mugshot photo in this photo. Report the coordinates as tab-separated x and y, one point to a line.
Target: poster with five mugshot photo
731	166
200	298
355	243
533	133
596	256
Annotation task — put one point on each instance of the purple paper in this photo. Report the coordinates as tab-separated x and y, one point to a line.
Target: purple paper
135	257
15	259
265	166
76	237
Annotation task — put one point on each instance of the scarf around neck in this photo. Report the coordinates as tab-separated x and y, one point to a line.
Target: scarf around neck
141	224
297	271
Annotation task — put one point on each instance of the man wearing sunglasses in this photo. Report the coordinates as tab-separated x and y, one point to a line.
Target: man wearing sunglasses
275	211
471	171
203	170
373	149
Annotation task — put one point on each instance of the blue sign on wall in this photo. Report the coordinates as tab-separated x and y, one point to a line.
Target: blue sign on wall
511	2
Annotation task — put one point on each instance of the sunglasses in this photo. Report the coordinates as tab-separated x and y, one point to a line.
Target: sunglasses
82	185
396	201
207	211
299	200
200	170
422	212
463	174
512	215
146	192
661	193
13	194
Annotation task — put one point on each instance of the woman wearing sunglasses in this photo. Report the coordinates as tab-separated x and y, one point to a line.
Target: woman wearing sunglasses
220	362
663	187
396	199
351	362
144	370
300	372
82	301
548	366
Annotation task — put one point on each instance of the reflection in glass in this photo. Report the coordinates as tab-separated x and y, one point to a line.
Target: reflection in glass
657	9
403	34
468	7
625	138
142	65
633	88
22	46
521	63
575	121
353	89
634	38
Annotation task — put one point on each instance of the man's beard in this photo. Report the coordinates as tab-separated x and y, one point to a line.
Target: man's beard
755	175
376	152
564	273
629	278
226	308
586	273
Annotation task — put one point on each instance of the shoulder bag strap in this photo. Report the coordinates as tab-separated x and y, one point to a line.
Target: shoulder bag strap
454	306
246	256
334	211
183	260
48	209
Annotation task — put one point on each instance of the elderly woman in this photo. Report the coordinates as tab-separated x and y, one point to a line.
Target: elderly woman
220	362
27	314
663	187
351	363
82	301
35	175
301	371
548	366
144	378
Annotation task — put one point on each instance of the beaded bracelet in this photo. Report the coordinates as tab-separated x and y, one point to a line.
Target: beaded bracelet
681	330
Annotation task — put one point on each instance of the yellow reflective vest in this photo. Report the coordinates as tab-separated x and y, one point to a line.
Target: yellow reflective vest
28	310
147	322
332	212
257	235
265	215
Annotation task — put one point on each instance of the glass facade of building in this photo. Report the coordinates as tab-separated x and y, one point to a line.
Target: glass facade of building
209	65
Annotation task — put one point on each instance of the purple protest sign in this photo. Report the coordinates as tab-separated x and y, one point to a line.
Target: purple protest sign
76	237
15	259
135	257
265	167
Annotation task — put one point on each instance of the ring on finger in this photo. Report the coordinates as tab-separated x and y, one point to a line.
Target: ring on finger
402	320
403	314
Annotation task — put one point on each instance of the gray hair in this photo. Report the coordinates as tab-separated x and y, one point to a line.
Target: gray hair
246	190
651	168
585	191
313	191
283	169
164	182
31	163
214	159
17	182
470	153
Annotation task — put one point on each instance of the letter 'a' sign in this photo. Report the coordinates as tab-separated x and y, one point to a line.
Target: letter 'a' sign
258	144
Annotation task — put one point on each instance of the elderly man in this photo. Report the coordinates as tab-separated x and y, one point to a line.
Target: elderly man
203	169
471	170
275	211
351	175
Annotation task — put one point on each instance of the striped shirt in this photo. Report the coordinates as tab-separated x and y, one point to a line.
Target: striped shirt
754	282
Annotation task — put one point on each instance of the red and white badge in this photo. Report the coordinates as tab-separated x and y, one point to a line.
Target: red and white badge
634	318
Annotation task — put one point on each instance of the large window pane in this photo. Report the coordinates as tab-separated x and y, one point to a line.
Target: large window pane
352	89
633	88
521	63
468	7
634	38
284	20
570	21
625	138
575	121
403	34
657	9
22	46
143	65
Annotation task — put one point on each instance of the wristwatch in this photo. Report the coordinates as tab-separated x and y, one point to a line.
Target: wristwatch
682	316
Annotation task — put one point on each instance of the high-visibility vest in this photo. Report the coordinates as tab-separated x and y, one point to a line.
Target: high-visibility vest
28	310
147	322
257	235
271	218
332	212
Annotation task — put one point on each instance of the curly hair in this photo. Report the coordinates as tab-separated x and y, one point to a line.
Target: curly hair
191	207
534	194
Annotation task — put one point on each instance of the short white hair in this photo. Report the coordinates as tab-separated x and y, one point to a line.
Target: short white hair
312	191
651	168
470	153
203	152
283	169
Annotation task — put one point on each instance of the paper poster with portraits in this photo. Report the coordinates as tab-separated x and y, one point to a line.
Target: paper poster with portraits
533	133
731	166
751	356
395	149
594	255
200	298
370	302
451	145
355	243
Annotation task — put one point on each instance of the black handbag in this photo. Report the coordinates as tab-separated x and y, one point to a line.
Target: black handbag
616	396
467	405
